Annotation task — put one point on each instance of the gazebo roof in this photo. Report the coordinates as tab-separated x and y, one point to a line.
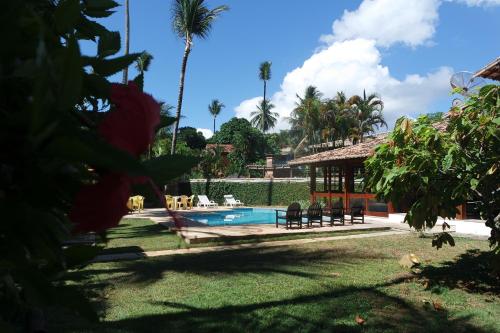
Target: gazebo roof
490	71
360	150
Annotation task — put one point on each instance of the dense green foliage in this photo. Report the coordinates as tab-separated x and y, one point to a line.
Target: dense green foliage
255	193
50	146
250	145
316	120
436	170
192	138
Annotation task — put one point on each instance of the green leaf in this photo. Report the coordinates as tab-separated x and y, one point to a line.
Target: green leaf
72	76
97	85
109	44
166	167
88	29
66	15
165	121
100	4
473	183
86	148
107	67
139	81
447	162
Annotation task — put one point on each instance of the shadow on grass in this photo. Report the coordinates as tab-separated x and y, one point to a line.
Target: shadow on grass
471	272
140	231
330	308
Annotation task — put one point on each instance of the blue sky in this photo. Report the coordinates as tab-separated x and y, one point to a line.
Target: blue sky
403	49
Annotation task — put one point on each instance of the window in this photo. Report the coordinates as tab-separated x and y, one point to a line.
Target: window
358	180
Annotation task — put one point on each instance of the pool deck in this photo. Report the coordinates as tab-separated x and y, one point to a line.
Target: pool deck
195	232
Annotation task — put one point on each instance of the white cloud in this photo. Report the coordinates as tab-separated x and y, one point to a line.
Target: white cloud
478	3
411	22
350	61
352	66
207	133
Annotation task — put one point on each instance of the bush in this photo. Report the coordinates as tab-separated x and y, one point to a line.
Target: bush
265	193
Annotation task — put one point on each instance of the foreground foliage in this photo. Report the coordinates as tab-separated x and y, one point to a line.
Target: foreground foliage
66	132
435	170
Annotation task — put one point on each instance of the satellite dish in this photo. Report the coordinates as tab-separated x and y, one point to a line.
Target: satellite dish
467	83
457	102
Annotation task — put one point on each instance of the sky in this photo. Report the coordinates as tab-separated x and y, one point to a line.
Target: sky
403	50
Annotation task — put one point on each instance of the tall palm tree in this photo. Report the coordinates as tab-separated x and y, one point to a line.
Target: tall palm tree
367	113
263	118
127	40
305	118
190	18
265	74
215	108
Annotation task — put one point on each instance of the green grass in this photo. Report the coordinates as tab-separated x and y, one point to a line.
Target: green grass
317	287
136	235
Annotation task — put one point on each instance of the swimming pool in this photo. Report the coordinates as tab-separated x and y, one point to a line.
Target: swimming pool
235	216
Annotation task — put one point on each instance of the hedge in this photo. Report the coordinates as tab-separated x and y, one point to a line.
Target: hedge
265	193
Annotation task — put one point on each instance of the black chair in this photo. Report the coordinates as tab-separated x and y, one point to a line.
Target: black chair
357	213
293	214
315	214
337	213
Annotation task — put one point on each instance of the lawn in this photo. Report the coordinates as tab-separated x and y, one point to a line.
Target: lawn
136	235
318	287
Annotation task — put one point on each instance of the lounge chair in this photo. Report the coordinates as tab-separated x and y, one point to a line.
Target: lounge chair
357	213
336	213
315	214
292	215
229	200
204	202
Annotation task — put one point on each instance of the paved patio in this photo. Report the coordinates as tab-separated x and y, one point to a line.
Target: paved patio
194	232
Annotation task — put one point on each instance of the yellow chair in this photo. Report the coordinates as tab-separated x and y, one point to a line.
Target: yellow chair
182	202
136	203
190	201
169	202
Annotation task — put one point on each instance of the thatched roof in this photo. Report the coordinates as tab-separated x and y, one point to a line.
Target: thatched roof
360	150
491	71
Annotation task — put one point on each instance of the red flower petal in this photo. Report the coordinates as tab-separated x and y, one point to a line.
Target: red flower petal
102	205
131	125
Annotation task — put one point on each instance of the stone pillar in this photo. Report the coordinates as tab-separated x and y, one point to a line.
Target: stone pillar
269	173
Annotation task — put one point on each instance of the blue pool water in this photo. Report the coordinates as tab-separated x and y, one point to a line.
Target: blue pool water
235	216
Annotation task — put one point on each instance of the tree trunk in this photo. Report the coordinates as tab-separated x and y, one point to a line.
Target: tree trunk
187	49
127	39
214	125
264	90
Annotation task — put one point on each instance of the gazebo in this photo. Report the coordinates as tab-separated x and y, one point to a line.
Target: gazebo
338	175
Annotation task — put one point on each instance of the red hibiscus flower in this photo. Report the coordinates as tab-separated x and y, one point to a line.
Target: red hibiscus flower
102	205
131	126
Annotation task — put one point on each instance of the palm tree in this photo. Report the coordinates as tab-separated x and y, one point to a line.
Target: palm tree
265	74
215	108
190	18
263	118
127	40
367	113
305	118
142	65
